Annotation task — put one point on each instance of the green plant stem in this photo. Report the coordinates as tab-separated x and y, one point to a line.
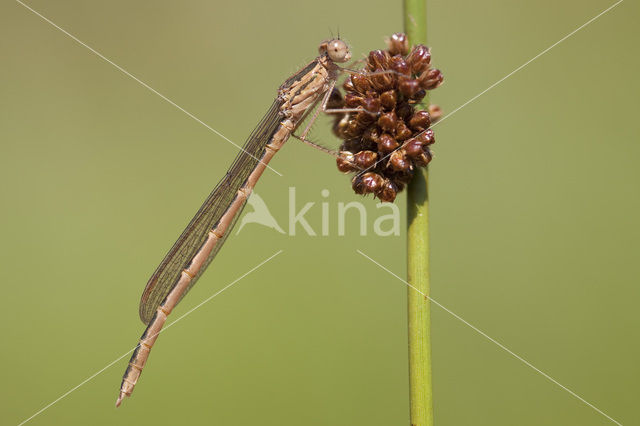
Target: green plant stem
419	307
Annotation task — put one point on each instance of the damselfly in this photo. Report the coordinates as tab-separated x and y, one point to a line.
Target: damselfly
201	240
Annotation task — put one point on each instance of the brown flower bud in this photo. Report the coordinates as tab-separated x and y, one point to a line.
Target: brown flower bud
357	185
398	44
378	60
348	85
372	105
360	83
399	65
402	131
420	121
409	87
419	59
340	124
431	79
424	158
345	162
435	112
388	121
386	143
353	129
365	159
389	99
351	100
364	118
419	95
368	183
382	81
371	134
402	178
387	193
404	111
398	160
427	137
413	148
357	126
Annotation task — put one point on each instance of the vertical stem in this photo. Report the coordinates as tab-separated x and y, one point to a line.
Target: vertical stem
419	308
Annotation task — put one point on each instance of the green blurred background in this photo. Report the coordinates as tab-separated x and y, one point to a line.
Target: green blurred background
535	206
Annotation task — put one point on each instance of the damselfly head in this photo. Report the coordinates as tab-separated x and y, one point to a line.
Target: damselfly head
336	49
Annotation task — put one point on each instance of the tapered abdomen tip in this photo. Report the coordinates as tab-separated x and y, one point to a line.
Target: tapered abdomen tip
120	398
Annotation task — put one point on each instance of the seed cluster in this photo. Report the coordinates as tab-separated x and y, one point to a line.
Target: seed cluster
385	138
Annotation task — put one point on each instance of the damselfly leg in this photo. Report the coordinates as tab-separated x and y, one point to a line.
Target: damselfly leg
329	106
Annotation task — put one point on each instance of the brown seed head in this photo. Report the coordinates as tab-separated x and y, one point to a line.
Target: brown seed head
389	137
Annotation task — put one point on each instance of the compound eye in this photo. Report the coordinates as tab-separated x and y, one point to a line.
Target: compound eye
338	51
